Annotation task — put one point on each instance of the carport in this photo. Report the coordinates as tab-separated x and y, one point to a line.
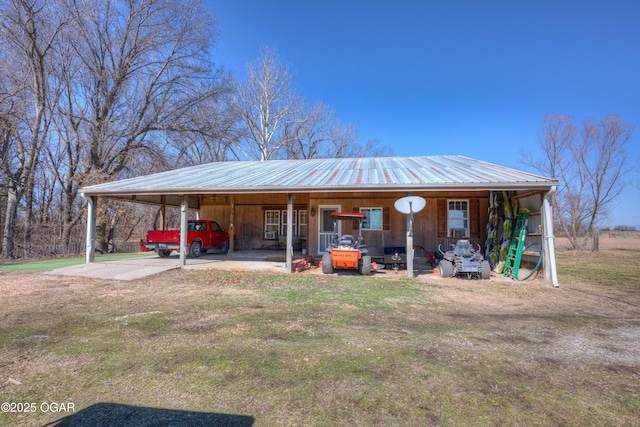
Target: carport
241	191
184	202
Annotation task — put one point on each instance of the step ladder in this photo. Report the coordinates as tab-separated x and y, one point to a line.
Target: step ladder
516	247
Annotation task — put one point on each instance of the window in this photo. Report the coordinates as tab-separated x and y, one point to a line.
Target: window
458	218
271	224
302	226
373	220
197	226
285	222
275	223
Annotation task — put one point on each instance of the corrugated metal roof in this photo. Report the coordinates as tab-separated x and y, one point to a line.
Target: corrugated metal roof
315	175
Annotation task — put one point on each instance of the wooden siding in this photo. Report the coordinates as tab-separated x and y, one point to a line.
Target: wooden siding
429	227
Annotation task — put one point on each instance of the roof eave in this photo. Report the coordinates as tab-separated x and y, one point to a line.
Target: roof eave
88	191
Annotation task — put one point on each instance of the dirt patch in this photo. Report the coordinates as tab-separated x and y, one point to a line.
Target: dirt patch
324	350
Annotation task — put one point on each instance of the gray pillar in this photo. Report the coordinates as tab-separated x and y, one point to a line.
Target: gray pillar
410	245
184	208
91	228
163	212
549	261
289	232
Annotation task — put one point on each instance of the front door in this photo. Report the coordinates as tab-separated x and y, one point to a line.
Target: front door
325	226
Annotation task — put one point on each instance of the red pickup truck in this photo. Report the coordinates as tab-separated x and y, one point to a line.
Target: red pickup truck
202	235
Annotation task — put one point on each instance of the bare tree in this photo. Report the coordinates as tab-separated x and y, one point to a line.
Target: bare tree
133	74
373	148
609	163
207	131
92	90
591	163
6	143
29	31
307	135
142	67
318	133
276	121
266	105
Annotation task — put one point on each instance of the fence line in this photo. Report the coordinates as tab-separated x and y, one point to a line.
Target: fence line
591	241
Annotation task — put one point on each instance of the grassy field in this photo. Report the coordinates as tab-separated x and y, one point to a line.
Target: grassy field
238	348
52	264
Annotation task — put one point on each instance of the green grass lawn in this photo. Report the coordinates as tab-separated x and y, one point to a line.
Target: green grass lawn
207	347
52	264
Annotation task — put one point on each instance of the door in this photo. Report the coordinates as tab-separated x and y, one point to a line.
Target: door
325	226
219	237
197	230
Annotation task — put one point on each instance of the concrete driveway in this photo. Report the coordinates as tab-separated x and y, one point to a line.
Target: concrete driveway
140	267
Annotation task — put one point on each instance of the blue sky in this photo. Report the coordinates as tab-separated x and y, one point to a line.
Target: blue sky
451	77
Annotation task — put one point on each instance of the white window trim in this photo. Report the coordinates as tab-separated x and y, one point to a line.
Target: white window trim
300	223
467	231
269	226
283	222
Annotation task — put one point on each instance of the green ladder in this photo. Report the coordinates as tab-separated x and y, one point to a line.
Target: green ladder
516	248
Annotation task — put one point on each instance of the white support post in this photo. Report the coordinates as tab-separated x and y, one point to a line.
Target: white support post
163	212
184	208
406	206
289	232
409	250
91	228
549	261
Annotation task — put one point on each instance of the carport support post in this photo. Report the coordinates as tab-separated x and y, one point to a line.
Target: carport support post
232	220
91	228
289	232
163	212
184	207
549	261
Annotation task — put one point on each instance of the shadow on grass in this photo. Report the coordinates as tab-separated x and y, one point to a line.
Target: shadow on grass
113	414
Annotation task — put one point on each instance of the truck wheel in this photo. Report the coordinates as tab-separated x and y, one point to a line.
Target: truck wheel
164	252
195	249
327	267
486	270
225	248
365	266
446	268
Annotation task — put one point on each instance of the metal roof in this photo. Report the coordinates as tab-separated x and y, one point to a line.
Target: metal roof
319	175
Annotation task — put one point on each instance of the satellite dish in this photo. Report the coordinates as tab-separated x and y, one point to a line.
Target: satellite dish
410	204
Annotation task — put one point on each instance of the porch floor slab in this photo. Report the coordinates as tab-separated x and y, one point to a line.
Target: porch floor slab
141	267
250	260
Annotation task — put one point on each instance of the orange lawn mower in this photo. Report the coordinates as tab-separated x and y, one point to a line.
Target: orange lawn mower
345	252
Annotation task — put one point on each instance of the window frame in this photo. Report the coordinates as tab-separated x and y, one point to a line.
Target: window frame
275	220
465	218
302	214
369	215
283	222
272	223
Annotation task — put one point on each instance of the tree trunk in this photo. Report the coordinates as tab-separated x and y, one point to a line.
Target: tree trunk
28	213
8	242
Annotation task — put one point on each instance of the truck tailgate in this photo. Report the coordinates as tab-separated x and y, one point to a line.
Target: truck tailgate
163	236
